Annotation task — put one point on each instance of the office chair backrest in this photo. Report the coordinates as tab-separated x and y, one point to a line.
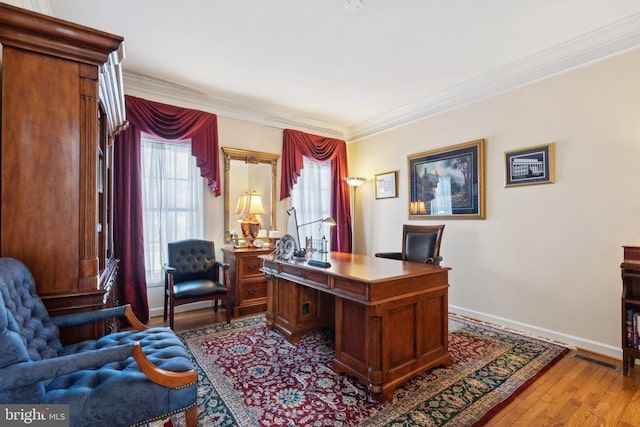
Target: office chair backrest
193	259
421	242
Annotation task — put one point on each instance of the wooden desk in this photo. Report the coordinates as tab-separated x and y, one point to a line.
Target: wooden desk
390	317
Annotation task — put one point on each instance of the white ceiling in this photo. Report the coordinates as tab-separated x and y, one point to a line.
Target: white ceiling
316	66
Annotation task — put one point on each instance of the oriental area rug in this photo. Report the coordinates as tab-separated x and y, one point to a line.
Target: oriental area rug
251	376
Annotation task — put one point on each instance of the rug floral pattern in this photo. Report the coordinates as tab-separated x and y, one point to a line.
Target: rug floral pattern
251	376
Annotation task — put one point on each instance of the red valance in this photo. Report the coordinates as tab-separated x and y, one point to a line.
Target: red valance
175	123
165	122
296	145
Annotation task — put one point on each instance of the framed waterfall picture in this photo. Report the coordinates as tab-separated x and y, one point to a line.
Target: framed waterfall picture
447	182
528	166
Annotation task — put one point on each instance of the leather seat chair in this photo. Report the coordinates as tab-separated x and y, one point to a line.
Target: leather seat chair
192	274
420	243
121	379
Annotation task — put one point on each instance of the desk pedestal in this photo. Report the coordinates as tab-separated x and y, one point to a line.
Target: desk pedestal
386	331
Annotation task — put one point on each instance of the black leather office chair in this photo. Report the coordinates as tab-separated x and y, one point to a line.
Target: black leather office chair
192	274
420	243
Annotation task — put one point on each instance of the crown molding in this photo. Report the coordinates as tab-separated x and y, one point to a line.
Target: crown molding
40	6
615	38
236	108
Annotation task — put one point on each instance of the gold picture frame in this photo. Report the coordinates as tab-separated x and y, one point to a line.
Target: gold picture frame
448	183
386	185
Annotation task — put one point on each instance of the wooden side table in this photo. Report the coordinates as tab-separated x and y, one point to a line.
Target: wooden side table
249	286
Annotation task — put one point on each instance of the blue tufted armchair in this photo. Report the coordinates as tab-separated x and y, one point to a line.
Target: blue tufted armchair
125	378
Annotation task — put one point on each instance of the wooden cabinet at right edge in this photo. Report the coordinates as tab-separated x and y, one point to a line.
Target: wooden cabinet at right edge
62	105
630	271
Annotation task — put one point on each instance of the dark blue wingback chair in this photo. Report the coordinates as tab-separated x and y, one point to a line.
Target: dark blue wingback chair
192	274
125	378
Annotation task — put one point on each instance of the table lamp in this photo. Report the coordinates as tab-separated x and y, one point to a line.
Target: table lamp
417	208
250	205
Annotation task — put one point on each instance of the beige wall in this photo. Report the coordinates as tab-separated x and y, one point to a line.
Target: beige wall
546	258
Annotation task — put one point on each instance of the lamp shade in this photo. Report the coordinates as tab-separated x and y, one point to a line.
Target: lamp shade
250	204
417	208
329	221
355	181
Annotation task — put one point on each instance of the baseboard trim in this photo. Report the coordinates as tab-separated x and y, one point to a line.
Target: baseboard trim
569	340
159	311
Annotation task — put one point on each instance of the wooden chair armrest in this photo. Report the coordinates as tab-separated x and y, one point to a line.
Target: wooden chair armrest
161	376
227	278
433	260
133	319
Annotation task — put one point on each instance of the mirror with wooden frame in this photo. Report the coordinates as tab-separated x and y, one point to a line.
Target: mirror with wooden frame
248	172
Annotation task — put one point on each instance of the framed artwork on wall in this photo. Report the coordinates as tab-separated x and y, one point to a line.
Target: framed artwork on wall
387	185
529	166
447	182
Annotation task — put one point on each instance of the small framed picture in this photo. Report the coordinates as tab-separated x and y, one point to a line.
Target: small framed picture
387	185
529	166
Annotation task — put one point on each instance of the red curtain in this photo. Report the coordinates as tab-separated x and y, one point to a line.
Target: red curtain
296	145
174	123
165	122
128	245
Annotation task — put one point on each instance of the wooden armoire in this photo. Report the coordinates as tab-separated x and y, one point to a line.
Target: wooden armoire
62	105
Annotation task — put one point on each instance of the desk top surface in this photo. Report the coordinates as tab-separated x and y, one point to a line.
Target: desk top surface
364	267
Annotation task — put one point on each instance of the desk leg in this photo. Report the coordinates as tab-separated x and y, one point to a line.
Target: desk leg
270	301
375	358
384	345
359	344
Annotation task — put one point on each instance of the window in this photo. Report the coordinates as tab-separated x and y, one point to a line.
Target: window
311	196
171	201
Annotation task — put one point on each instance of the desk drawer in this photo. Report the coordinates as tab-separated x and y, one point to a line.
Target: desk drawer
307	275
352	287
249	267
252	289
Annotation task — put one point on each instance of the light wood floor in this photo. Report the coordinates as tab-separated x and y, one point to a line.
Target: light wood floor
573	392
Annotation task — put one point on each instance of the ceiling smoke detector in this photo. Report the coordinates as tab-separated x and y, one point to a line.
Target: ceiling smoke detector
353	5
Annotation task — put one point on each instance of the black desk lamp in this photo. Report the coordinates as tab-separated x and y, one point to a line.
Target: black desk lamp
300	251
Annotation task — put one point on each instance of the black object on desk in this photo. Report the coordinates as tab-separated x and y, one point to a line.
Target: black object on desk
318	263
